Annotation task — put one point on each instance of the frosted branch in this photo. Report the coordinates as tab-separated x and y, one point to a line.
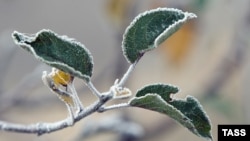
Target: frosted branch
42	128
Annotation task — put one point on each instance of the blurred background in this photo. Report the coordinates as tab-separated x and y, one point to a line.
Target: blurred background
206	58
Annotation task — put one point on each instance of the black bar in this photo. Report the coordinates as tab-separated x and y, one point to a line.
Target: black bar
236	132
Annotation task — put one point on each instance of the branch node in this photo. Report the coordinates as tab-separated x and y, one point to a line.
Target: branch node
40	129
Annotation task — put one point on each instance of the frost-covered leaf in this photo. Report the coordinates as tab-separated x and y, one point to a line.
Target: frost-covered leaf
60	52
150	29
161	89
192	109
187	112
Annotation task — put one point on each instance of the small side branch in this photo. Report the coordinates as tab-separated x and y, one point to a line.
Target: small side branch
127	74
93	89
78	102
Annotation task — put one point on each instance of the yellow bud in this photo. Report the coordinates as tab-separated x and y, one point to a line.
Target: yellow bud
56	78
60	78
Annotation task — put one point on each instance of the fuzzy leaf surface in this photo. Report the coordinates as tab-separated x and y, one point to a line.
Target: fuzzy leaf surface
188	112
150	29
57	51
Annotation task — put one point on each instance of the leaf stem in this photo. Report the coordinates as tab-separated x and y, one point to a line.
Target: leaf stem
78	105
93	89
116	106
127	74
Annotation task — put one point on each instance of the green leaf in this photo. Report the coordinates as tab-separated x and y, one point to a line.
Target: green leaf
60	52
192	109
163	90
149	29
187	112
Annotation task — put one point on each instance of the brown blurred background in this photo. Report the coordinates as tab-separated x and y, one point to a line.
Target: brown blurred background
207	58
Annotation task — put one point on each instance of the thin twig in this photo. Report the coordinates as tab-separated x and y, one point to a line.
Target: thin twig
112	107
93	89
19	91
76	98
127	74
